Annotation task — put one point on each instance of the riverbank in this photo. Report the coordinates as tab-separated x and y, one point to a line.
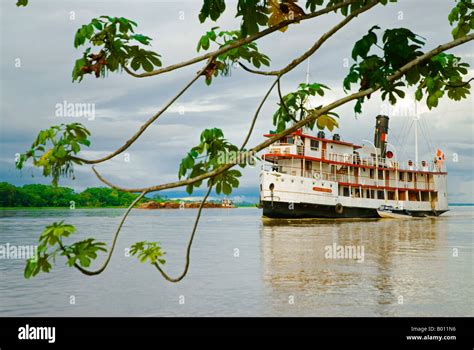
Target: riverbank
191	205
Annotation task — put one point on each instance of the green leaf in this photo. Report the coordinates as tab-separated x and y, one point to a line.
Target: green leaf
53	233
151	251
211	9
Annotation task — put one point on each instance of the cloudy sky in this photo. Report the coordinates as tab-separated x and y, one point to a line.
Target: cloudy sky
41	38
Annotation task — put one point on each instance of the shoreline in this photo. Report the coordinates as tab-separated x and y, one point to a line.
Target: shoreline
59	208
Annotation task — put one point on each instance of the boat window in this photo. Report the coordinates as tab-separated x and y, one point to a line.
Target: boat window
371	173
409	177
380	195
401	176
380	174
289	140
346	192
314	145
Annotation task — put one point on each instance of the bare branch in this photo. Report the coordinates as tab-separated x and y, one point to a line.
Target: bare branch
144	126
241	148
282	102
188	250
257	112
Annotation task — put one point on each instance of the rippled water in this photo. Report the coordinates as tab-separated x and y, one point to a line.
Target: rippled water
409	266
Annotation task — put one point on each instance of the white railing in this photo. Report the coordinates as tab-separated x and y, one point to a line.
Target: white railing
360	180
292	149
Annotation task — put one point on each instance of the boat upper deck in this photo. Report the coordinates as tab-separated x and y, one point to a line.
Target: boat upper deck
313	149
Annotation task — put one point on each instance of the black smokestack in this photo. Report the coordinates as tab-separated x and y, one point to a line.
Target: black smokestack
381	134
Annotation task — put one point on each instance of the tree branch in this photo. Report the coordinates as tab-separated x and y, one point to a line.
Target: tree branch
240	42
190	243
210	56
144	126
282	102
257	112
109	256
316	46
301	123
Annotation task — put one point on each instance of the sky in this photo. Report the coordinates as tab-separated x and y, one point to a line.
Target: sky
37	56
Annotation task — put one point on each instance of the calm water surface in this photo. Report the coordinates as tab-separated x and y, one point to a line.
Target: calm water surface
409	267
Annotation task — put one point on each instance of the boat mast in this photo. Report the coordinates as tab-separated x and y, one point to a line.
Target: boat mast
416	135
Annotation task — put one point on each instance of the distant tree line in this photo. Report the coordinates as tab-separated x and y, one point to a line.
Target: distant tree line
50	196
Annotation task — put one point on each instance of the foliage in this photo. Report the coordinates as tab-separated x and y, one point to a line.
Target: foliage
151	251
224	62
83	252
51	243
206	157
463	15
256	13
54	196
295	107
212	9
443	73
119	44
64	141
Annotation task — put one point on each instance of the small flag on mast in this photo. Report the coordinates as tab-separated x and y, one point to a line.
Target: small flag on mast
439	158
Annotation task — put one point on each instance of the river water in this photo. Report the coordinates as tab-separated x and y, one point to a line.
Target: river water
243	266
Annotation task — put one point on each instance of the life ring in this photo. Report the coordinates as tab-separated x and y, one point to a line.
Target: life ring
339	208
316	176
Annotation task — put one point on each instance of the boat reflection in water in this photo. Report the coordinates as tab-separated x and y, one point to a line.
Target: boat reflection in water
404	268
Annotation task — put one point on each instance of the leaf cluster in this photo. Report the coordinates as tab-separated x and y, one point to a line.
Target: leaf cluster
51	243
294	107
208	156
151	251
54	150
119	46
443	73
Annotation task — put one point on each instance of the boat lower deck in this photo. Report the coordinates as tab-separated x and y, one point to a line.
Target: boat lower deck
286	210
